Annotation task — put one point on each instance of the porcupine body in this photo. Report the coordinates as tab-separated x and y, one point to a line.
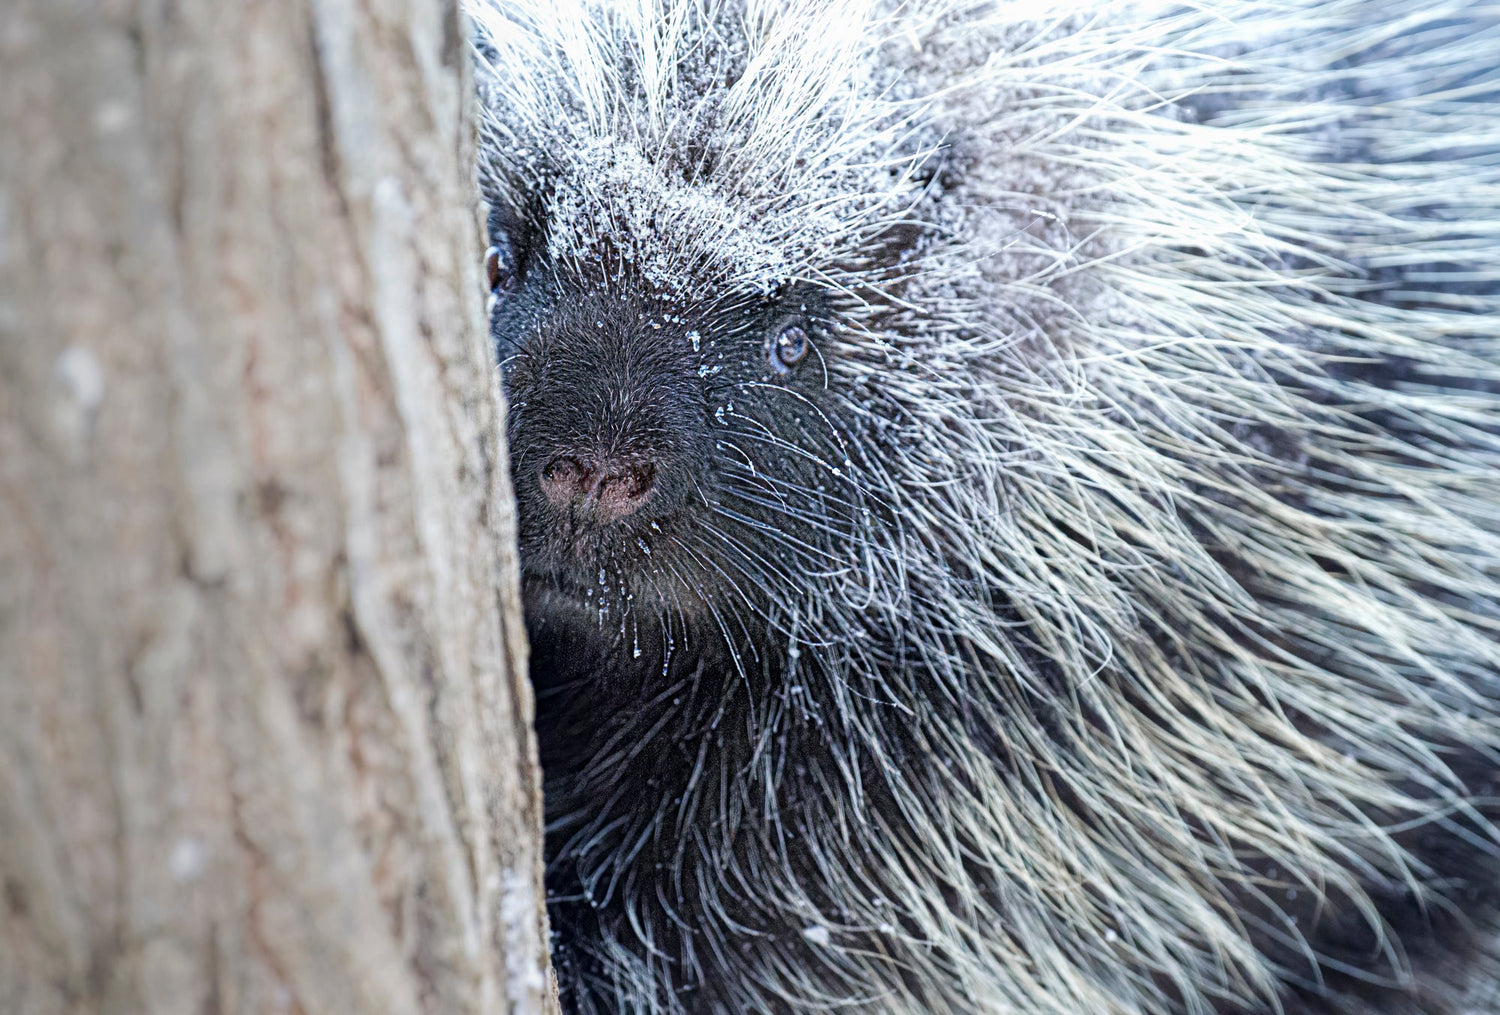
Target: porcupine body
1008	499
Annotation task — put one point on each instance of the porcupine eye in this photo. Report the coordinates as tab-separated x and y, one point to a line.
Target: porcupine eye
788	349
500	268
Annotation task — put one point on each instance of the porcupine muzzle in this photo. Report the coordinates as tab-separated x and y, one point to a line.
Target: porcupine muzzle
609	436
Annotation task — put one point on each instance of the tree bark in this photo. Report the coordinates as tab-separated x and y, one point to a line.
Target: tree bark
265	737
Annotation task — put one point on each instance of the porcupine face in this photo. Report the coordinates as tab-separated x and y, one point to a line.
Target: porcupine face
673	310
666	448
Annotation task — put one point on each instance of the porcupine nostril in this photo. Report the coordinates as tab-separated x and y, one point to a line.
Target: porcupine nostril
610	490
624	489
566	479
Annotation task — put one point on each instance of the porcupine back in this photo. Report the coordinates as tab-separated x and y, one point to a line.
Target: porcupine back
1103	619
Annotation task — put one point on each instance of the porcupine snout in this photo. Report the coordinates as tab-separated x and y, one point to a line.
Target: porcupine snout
610	437
610	418
603	486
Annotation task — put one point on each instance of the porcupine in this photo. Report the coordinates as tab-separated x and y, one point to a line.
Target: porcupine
1007	498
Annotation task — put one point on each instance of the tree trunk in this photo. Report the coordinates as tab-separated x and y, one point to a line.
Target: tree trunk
265	739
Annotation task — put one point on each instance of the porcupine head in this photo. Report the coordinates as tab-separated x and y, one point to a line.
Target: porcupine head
956	580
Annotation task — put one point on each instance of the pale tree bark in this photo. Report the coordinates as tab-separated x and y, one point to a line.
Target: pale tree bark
264	728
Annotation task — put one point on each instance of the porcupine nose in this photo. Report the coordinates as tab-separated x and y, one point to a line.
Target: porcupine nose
609	489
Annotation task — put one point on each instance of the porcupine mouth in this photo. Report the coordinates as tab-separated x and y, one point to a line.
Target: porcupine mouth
632	567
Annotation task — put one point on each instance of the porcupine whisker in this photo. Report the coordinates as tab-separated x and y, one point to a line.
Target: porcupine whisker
747	566
848	477
767	484
765	567
776	533
760	573
709	565
781	515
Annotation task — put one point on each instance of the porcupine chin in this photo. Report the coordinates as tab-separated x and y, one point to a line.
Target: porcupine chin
1008	498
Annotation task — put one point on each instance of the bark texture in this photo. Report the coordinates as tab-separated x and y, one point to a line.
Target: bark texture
264	729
